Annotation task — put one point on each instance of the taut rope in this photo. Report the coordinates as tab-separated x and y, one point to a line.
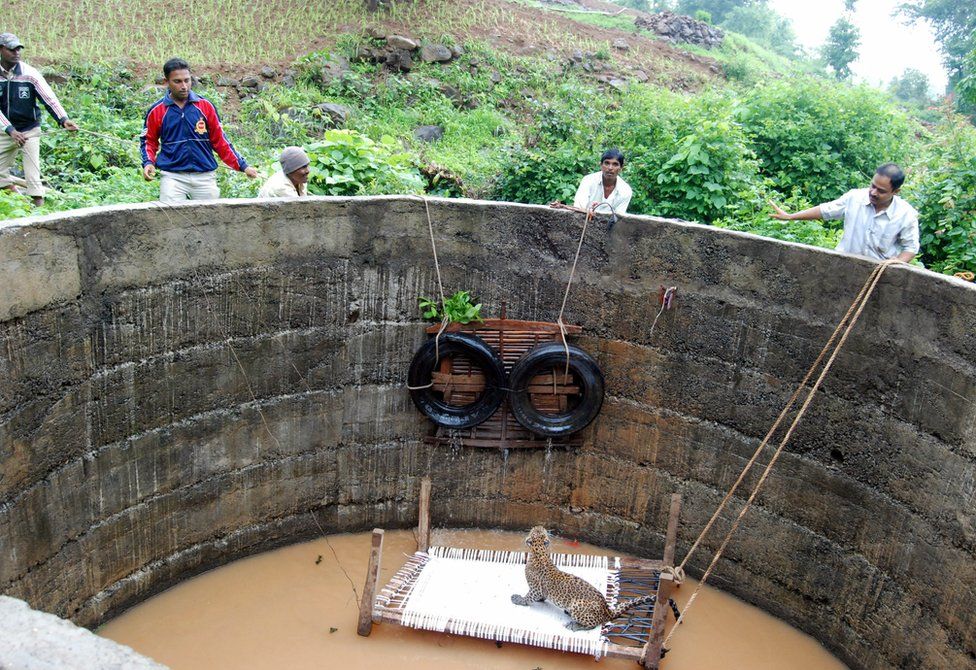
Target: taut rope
847	325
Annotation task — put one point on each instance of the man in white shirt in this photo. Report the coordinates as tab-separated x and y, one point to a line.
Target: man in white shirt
291	181
604	186
877	223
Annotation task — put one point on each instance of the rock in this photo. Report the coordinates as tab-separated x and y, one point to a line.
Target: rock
496	77
334	68
428	133
250	81
399	61
401	43
160	80
268	72
435	53
641	76
621	44
450	92
338	114
368	54
618	84
228	81
457	51
678	28
375	32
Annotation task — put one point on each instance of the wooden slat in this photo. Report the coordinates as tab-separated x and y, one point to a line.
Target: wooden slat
369	589
489	325
652	650
671	537
423	516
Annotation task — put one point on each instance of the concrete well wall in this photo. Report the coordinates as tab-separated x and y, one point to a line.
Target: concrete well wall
185	386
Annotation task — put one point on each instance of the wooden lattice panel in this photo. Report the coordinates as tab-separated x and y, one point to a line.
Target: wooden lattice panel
461	383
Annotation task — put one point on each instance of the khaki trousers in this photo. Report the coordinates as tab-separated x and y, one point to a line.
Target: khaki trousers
32	161
181	186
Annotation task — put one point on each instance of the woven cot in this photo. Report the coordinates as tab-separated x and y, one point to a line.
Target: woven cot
468	592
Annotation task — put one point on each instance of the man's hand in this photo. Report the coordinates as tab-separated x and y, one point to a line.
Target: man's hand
148	171
779	213
70	125
251	172
18	137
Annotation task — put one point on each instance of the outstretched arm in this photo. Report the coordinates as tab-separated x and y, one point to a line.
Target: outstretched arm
805	215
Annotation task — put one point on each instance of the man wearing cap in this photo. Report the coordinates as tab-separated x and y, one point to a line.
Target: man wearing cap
21	86
291	181
181	133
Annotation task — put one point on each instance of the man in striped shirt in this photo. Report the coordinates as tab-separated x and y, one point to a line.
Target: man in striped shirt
21	87
181	134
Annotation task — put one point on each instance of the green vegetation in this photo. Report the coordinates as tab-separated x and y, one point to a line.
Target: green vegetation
456	309
526	128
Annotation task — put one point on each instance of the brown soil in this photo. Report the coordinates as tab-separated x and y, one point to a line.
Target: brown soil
663	64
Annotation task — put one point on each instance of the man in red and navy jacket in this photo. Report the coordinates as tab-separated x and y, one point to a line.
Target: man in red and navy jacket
179	137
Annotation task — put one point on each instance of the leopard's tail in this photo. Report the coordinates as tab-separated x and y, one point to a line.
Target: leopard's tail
628	605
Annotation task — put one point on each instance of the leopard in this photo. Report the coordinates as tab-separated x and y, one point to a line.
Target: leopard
585	605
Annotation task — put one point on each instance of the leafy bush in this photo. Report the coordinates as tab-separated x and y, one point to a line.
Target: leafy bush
943	189
687	156
823	138
456	309
348	163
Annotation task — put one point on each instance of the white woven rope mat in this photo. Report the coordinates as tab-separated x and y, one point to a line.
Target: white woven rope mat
468	592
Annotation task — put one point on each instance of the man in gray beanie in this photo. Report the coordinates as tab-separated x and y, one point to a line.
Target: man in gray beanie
291	181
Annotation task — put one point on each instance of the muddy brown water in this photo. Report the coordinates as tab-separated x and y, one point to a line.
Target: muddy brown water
296	607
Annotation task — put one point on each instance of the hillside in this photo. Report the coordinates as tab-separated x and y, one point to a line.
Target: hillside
505	99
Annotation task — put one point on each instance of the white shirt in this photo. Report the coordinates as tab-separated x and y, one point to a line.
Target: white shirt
591	190
280	186
878	235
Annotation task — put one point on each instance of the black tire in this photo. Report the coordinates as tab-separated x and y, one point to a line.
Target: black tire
457	416
541	359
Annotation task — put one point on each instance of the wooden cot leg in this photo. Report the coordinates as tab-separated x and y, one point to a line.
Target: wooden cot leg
372	579
423	519
652	650
671	538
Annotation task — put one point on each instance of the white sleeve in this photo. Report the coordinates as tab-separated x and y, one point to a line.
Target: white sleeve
908	236
835	208
624	201
582	194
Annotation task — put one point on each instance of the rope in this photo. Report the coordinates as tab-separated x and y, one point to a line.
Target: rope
559	320
665	300
857	307
440	287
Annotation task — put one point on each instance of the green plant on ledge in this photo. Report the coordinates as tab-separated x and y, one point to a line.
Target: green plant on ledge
457	309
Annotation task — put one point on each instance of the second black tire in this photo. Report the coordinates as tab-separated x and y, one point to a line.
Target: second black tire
480	354
543	359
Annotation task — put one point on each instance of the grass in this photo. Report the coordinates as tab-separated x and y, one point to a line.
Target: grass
219	31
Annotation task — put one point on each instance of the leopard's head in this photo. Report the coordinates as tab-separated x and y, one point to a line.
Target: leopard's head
537	539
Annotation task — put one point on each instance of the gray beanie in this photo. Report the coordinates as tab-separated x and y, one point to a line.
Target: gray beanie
292	158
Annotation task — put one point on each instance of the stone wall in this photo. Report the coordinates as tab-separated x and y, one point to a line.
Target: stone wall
188	385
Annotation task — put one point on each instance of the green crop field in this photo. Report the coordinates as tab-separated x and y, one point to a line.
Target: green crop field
213	31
